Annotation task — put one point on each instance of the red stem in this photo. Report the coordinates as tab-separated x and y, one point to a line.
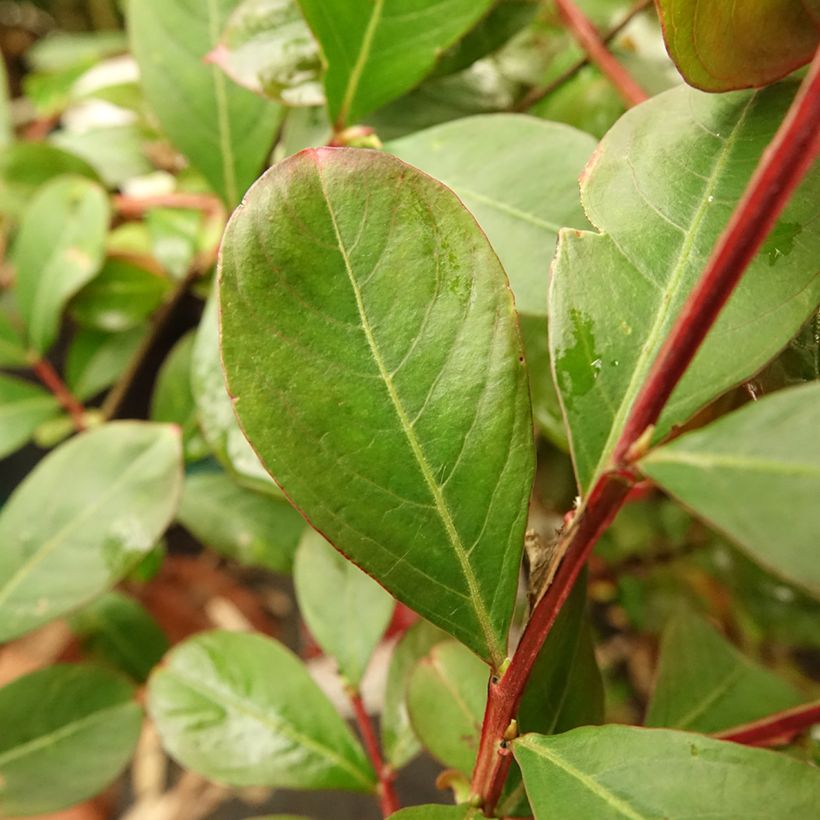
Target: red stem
783	164
780	169
132	207
49	377
776	729
388	799
590	41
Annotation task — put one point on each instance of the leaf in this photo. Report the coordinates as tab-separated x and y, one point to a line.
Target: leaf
96	359
435	812
83	518
224	130
446	696
6	125
746	471
68	731
519	177
399	741
59	249
122	296
241	709
239	523
345	610
624	771
12	344
174	234
399	426
215	410
376	55
718	49
23	408
268	48
117	630
704	684
661	188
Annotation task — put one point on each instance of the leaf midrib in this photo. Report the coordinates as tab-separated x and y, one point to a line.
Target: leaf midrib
740	462
653	338
495	650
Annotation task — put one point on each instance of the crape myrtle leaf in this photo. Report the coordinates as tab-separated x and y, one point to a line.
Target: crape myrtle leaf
446	696
60	248
345	610
68	731
744	472
378	371
435	812
96	359
717	47
117	630
252	528
241	709
704	684
398	738
121	296
518	175
625	771
225	130
174	236
376	51
268	48
660	188
12	343
23	408
215	411
83	518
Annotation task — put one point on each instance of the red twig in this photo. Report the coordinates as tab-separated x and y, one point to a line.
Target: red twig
388	798
132	207
782	166
590	41
776	729
779	171
49	377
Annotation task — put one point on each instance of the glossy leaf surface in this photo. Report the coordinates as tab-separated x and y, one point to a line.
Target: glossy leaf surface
23	408
744	472
241	709
518	175
378	50
83	518
446	695
660	188
378	371
239	523
223	129
720	47
704	684
624	771
59	249
345	610
68	731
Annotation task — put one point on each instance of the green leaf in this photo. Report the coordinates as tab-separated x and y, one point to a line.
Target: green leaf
446	696
519	177
704	684
174	234
116	629
59	249
224	130
68	731
12	343
399	741
83	518
239	523
378	372
661	188
241	709
96	359
745	473
345	610
215	410
6	125
717	49
268	48
626	772
122	296
375	54
23	408
434	812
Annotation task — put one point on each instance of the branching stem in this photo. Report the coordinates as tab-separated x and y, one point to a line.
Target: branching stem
776	729
46	373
